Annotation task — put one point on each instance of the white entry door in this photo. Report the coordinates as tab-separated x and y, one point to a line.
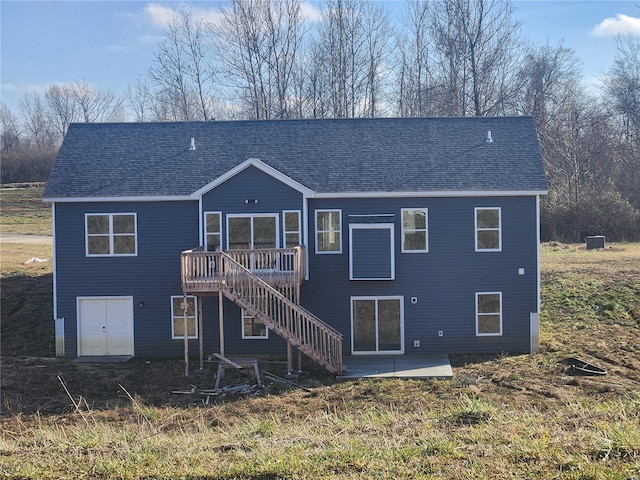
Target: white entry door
105	326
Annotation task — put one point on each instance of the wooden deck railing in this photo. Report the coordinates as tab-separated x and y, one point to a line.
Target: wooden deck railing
254	292
283	268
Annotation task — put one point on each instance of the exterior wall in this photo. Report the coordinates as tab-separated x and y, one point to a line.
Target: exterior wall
251	184
164	229
444	280
230	198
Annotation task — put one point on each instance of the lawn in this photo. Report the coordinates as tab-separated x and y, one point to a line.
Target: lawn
24	212
500	417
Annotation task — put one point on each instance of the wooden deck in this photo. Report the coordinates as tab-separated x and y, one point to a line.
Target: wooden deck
282	268
265	283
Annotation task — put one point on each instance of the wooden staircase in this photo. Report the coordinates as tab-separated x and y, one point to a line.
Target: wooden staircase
220	271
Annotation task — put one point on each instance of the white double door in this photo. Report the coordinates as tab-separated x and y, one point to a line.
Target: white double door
105	326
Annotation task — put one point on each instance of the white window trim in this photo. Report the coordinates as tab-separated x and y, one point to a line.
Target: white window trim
252	337
284	227
329	252
478	315
111	234
195	317
378	352
476	229
206	232
373	226
426	230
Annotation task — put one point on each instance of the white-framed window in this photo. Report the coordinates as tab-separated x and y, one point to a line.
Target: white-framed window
328	231
253	329
488	227
177	316
111	234
377	325
213	231
415	230
488	313
292	226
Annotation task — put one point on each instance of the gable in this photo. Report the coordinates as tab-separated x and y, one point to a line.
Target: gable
249	165
250	190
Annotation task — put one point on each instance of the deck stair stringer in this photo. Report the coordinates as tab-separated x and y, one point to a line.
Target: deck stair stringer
302	329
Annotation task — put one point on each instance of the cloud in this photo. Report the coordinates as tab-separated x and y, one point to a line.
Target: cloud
118	48
161	15
310	12
618	25
149	39
25	88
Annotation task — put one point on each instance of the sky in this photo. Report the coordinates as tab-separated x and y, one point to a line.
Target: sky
109	44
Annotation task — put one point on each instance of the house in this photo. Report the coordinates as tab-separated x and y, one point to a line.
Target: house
328	237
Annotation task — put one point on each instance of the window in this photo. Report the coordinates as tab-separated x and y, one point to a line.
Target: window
291	228
253	329
414	230
177	317
213	231
328	231
110	234
489	313
488	229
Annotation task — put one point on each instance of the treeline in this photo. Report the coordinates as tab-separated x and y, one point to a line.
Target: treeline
268	59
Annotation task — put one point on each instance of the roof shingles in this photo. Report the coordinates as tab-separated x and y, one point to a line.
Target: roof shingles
326	156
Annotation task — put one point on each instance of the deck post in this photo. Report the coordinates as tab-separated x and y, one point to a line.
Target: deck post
185	333
221	321
200	333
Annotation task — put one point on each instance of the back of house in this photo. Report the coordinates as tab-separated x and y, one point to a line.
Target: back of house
334	236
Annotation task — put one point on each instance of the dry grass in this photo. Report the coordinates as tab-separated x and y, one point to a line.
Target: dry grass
423	430
23	211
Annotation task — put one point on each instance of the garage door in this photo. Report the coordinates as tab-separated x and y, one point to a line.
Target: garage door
105	326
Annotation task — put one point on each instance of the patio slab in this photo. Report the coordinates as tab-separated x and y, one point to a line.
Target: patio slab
103	359
396	366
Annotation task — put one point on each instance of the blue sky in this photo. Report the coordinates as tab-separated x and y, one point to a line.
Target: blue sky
109	44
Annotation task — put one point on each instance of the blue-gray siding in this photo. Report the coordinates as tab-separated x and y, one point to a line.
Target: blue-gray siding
444	280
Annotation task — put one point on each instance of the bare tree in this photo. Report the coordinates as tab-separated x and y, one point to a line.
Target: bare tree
379	34
10	138
622	85
477	49
259	45
182	73
93	105
140	100
548	76
353	56
414	74
61	107
38	122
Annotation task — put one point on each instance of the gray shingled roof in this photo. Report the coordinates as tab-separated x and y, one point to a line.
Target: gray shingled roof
326	156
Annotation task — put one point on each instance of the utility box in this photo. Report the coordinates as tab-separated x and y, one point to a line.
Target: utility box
595	241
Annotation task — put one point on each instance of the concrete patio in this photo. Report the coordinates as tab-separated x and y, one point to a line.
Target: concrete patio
398	366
